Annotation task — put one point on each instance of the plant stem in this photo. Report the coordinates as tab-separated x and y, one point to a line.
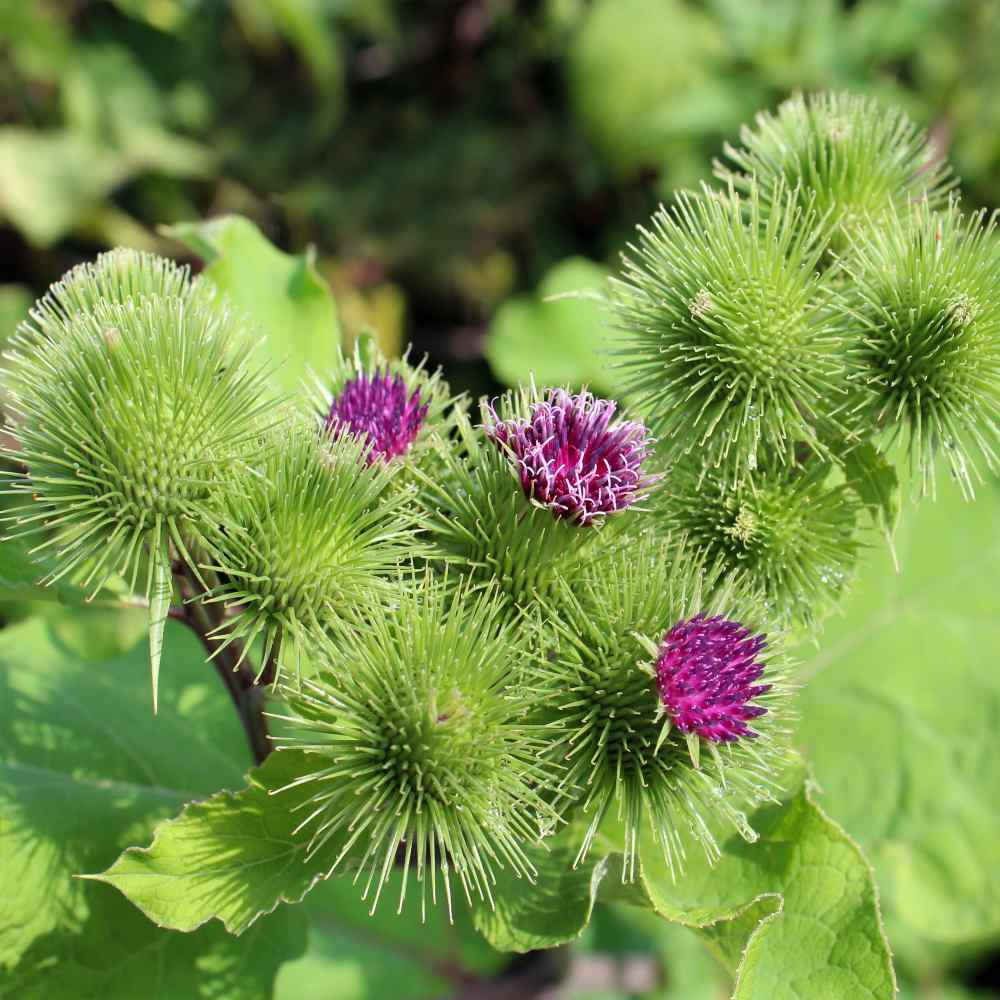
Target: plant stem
231	661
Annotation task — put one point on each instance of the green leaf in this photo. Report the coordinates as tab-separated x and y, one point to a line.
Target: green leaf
899	717
874	479
283	295
233	857
354	956
236	857
797	907
51	180
121	956
85	771
558	340
803	892
551	912
21	572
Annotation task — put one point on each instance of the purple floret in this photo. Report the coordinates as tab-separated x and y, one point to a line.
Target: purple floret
572	459
706	671
378	409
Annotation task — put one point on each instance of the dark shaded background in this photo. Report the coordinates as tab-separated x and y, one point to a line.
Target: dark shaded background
441	155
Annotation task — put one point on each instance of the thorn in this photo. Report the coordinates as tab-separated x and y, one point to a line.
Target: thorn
668	725
694	749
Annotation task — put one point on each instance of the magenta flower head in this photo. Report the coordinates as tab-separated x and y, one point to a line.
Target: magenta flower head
705	672
380	409
572	459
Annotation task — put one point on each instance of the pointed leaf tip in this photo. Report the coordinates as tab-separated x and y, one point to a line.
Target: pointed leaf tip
160	592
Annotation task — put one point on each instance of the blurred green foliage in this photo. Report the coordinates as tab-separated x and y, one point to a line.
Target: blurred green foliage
441	156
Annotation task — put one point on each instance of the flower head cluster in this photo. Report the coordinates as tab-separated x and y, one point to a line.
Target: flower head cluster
927	364
705	673
572	459
417	746
379	408
855	158
789	532
730	349
649	726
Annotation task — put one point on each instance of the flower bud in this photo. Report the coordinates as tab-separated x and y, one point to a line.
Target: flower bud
396	408
730	347
926	366
571	459
856	159
535	494
305	537
785	531
420	748
666	705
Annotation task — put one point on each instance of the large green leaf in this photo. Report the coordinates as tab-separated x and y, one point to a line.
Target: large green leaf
355	956
50	180
899	717
793	915
558	340
21	573
233	856
236	857
282	295
554	910
86	771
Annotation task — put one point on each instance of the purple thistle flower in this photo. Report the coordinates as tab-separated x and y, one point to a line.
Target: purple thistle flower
378	408
706	672
570	460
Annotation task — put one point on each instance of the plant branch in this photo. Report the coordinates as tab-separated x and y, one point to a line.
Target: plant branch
230	660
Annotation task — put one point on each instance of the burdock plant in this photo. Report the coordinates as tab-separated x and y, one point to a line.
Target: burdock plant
730	344
647	686
419	746
926	363
502	655
850	158
527	496
789	532
136	398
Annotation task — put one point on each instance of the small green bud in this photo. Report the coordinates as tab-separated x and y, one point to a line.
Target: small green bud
926	366
785	530
730	345
420	746
306	535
